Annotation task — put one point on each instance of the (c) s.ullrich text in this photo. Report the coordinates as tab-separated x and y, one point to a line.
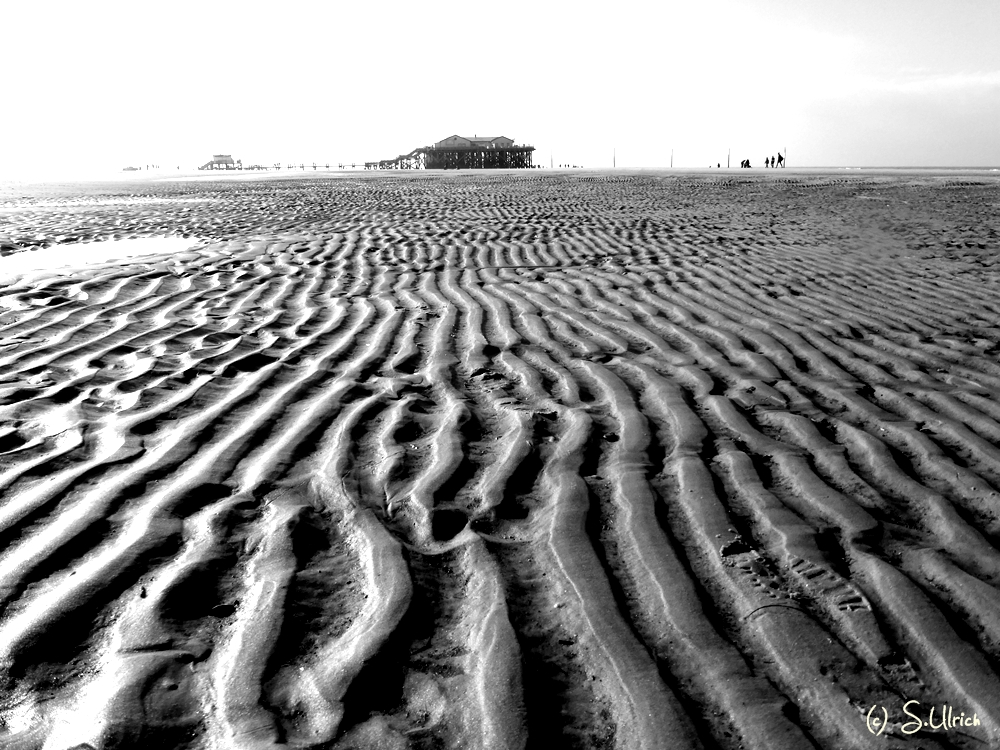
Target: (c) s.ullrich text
938	718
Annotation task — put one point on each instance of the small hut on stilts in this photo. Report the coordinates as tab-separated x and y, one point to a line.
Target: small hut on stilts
222	161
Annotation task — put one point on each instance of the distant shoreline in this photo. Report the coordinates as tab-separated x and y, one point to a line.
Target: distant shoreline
227	175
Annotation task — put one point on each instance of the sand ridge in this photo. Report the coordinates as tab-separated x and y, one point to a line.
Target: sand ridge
503	461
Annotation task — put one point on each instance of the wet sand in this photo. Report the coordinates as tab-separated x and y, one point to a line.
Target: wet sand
503	460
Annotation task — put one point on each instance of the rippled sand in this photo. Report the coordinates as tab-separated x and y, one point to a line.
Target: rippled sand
502	461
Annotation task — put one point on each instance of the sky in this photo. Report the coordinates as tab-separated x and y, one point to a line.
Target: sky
103	85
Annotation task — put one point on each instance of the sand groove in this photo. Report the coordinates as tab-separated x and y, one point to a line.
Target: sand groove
502	461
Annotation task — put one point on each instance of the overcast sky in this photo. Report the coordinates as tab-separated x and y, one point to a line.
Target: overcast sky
838	83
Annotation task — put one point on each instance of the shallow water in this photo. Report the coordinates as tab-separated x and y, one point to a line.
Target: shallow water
82	254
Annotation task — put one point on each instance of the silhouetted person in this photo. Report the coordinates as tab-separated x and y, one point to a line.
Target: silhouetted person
781	160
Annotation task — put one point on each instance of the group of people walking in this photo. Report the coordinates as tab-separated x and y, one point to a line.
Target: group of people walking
769	161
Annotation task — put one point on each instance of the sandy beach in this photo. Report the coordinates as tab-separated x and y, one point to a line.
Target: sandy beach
616	460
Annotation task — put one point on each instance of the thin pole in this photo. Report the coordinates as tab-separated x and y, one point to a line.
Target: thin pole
614	158
730	151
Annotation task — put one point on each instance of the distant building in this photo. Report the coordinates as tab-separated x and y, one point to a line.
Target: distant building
458	141
461	152
222	161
